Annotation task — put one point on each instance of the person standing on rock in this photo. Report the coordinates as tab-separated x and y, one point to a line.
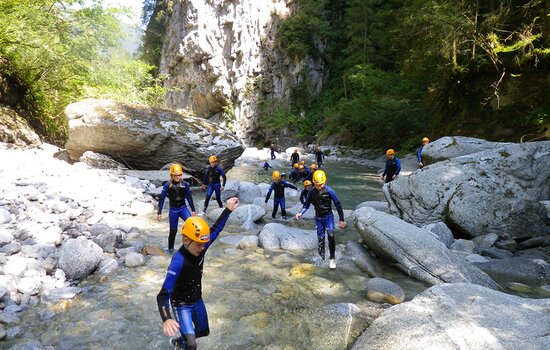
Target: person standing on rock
422	161
212	181
321	197
181	291
294	157
177	191
393	167
278	185
319	156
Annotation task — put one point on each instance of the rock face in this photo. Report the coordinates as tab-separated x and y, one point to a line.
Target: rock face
460	316
146	138
14	129
416	251
498	190
221	55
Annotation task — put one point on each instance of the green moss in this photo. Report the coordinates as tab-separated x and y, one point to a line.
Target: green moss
504	154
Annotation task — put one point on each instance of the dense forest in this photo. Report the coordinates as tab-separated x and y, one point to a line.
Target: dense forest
402	69
396	70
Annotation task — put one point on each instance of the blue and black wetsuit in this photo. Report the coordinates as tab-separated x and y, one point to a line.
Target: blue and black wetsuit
393	167
182	289
324	219
419	157
294	158
177	193
303	195
279	196
293	176
304	175
267	166
272	149
212	179
319	156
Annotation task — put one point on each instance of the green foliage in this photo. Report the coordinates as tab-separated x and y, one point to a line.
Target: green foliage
154	16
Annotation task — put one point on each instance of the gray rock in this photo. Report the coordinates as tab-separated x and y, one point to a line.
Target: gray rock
100	161
5	236
107	266
248	191
518	269
461	315
381	290
449	147
496	253
57	294
133	259
441	232
378	205
29	285
464	246
497	190
79	257
109	128
532	242
485	241
5	216
362	258
11	248
416	251
277	236
243	213
15	129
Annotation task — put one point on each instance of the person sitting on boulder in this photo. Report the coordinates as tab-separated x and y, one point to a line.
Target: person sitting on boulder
305	191
278	185
177	191
321	196
393	167
181	290
212	180
421	161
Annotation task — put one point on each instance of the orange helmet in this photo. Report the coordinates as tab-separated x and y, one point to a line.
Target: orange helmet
390	152
295	166
307	183
425	139
319	177
301	166
196	229
302	162
176	169
276	175
313	166
212	159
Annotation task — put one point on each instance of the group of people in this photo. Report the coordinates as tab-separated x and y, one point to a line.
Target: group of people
393	164
179	301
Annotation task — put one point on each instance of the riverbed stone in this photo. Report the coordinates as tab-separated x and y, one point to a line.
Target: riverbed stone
415	251
56	294
278	236
241	215
133	259
5	216
518	269
362	258
381	290
79	257
442	232
29	285
473	316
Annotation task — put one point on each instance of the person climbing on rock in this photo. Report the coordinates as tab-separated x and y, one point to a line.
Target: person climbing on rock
303	195
393	167
181	290
294	157
421	161
278	185
321	197
212	181
266	165
177	191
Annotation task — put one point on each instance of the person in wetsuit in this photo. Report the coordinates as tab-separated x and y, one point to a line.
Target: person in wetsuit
303	195
212	180
278	185
321	197
312	169
294	157
421	161
266	165
272	150
393	167
181	290
319	156
303	173
177	192
293	176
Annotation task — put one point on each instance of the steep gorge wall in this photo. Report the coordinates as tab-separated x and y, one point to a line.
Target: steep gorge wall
221	55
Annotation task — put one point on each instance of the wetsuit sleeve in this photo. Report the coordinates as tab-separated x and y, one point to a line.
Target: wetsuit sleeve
398	165
163	298
269	192
163	196
223	176
306	203
419	154
303	196
218	226
290	185
205	179
337	204
189	197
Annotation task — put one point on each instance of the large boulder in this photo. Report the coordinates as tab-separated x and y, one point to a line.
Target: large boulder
416	251
498	190
460	316
79	257
277	236
146	138
449	147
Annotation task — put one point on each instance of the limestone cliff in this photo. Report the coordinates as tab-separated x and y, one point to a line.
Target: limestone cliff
220	57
